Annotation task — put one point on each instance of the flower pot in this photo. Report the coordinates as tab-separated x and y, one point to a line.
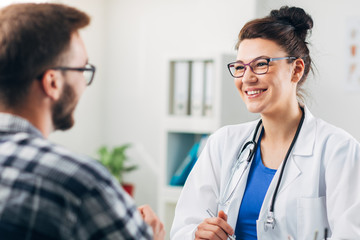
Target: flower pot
129	188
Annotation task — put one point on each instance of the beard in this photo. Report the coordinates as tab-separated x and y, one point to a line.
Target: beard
63	109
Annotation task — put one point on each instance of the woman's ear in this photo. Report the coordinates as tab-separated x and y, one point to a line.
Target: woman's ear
51	83
298	71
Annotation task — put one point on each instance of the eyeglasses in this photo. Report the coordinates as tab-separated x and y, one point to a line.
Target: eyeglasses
258	66
88	71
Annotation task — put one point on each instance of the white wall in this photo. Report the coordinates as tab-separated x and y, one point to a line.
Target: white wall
140	35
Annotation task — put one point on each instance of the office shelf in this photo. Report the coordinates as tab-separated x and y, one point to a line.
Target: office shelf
182	131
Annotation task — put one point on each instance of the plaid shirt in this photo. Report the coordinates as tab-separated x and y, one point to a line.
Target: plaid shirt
48	192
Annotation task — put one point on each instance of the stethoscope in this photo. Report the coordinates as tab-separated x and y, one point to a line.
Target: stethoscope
246	154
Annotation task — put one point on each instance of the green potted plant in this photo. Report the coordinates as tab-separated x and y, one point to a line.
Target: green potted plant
115	160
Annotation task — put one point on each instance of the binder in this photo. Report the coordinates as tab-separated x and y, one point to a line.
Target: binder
182	172
181	88
197	88
209	89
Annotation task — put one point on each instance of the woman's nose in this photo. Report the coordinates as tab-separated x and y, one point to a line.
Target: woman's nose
249	76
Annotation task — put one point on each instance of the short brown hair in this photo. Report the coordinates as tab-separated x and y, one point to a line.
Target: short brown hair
32	39
289	28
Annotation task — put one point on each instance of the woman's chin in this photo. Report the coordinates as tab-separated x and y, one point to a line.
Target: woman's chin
253	109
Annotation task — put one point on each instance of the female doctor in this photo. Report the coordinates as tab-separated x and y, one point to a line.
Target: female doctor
287	175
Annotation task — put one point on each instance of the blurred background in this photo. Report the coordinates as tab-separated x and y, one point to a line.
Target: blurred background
129	42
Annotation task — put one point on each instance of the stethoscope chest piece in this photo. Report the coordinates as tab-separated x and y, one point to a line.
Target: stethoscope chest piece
270	221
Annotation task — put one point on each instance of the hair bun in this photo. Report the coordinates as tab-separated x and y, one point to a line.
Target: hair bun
296	17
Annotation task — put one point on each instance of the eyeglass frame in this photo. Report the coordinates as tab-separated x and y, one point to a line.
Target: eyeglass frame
88	67
255	59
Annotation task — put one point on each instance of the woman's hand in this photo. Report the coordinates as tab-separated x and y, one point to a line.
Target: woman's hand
214	228
153	221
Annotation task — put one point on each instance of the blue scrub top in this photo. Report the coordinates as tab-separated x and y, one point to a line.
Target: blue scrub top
257	185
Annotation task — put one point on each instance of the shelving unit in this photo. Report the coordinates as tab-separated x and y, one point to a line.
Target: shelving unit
180	132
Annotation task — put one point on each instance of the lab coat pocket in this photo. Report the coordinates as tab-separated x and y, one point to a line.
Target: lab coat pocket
312	217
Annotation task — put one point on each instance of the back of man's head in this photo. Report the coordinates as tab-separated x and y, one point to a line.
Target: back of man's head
33	38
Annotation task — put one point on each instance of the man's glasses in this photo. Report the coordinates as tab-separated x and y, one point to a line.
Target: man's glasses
88	71
258	66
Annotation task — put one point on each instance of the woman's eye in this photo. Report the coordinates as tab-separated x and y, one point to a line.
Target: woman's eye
261	64
239	67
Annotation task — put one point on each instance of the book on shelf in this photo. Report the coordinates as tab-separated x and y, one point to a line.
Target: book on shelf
181	78
197	88
209	88
182	172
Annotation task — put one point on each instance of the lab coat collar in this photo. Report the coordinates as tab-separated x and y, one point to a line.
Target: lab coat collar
304	145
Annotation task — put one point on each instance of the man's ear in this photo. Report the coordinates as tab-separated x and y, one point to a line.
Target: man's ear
298	71
52	84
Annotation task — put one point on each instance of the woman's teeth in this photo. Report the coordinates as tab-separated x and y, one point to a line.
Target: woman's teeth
254	92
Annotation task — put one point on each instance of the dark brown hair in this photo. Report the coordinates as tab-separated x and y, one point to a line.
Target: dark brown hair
33	38
289	28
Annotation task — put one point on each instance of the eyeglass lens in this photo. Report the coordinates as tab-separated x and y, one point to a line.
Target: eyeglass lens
258	66
89	73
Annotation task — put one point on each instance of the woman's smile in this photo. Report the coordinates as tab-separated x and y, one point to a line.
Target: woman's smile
254	92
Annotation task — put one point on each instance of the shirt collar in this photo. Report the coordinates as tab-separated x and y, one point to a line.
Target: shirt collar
14	124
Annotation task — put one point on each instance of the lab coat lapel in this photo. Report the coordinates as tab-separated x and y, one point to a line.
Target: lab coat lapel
304	145
303	148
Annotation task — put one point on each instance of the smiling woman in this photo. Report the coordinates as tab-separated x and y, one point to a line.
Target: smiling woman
290	175
265	90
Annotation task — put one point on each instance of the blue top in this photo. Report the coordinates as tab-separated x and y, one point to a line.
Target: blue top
257	185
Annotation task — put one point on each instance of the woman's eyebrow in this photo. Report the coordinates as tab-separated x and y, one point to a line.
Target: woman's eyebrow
262	56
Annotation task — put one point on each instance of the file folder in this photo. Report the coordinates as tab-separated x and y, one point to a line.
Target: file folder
197	88
209	89
181	88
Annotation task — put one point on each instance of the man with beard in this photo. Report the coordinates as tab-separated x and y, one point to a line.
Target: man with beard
46	191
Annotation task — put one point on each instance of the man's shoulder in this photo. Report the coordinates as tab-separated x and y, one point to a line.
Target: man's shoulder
52	162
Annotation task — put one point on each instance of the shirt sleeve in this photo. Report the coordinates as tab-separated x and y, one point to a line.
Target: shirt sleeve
107	212
343	190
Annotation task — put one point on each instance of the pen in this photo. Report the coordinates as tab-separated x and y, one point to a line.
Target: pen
211	214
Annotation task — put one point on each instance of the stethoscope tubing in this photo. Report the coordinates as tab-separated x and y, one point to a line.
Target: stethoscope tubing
270	220
253	141
272	205
230	188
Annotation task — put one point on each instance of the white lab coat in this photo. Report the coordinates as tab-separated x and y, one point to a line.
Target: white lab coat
320	186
